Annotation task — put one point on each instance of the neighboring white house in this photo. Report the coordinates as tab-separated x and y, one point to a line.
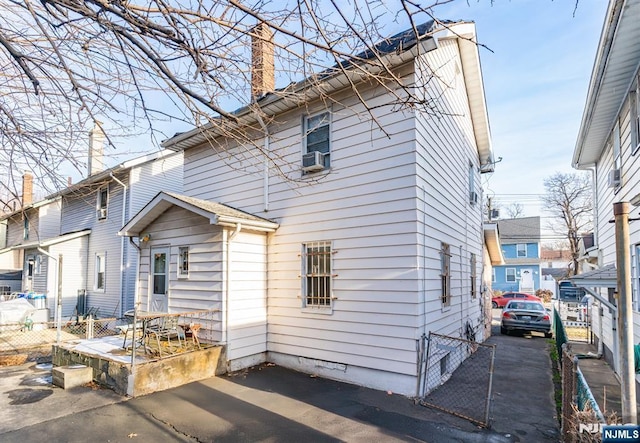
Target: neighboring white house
608	144
379	240
69	240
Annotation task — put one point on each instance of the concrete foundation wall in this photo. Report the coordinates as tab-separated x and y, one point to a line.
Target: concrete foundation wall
147	377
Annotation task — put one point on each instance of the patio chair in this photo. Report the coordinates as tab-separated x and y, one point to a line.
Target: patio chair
167	329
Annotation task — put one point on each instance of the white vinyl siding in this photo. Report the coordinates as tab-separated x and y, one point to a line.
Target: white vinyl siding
391	198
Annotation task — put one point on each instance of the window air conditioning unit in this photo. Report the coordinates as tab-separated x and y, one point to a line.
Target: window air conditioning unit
473	197
614	178
313	161
102	213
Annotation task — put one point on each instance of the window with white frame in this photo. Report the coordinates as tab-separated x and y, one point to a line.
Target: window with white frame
37	270
183	262
316	281
103	202
445	274
317	136
634	116
25	227
521	250
616	145
510	275
493	275
473	276
100	272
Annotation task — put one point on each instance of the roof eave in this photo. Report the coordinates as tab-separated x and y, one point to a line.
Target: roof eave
290	98
598	116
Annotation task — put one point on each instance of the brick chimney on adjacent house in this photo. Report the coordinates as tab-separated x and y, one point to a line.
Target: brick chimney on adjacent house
96	149
27	189
262	67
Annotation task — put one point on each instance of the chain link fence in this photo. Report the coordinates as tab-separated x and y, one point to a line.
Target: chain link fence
578	404
457	377
29	339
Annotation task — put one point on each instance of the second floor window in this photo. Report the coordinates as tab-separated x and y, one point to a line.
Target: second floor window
25	228
521	250
317	130
103	201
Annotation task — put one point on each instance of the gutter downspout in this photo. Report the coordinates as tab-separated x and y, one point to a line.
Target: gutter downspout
57	294
230	238
122	266
266	161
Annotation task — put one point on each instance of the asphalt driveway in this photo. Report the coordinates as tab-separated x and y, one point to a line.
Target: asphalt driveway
272	404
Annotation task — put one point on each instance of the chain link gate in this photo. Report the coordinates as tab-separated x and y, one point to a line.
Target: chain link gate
457	376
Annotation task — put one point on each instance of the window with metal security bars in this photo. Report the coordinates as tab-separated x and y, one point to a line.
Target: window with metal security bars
473	276
445	274
316	262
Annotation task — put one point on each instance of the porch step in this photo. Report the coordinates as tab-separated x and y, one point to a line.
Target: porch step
71	376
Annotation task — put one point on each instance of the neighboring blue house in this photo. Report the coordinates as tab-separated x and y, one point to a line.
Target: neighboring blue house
520	240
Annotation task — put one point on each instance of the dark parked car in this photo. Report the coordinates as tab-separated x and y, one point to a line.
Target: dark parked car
525	316
502	300
568	291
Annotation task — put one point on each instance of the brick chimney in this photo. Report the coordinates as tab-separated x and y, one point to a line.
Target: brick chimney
27	189
262	68
96	149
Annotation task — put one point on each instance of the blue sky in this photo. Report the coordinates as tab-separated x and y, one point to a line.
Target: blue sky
536	82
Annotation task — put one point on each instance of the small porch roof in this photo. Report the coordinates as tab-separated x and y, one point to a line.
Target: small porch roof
50	241
217	213
492	241
604	277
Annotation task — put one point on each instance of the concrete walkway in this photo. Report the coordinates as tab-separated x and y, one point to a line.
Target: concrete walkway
274	404
602	380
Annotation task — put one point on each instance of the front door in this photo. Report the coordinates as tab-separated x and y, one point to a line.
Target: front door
159	279
526	281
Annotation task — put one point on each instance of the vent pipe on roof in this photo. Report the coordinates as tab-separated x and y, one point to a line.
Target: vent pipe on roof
262	67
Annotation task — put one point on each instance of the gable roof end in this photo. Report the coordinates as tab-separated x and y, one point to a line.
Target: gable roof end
217	213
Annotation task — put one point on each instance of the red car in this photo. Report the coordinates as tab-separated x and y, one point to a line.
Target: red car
501	301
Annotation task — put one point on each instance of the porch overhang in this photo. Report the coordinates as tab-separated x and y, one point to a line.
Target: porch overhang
604	277
216	213
492	242
50	241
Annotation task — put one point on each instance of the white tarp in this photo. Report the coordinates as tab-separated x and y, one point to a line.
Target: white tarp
15	311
